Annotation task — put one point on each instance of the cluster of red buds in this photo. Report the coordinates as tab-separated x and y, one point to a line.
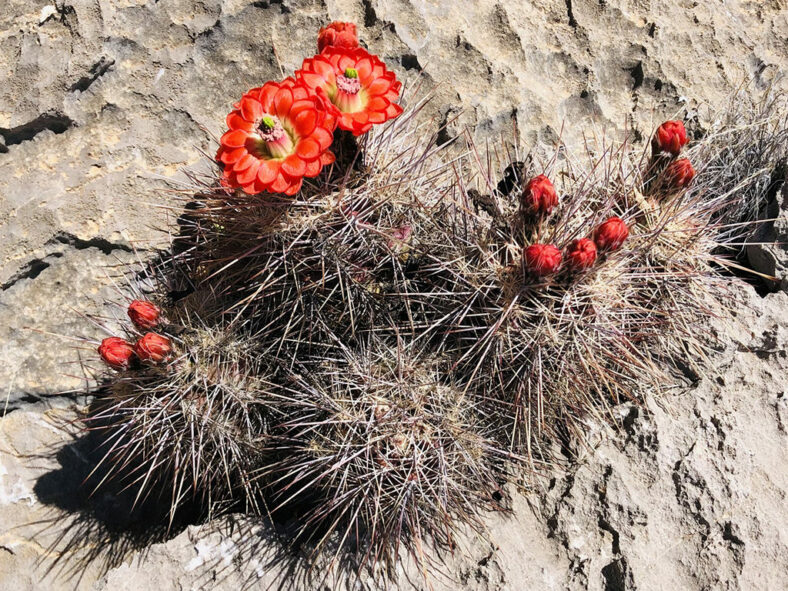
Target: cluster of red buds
151	347
542	260
668	140
281	132
539	198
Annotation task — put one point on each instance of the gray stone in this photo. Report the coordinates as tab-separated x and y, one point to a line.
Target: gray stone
34	548
53	314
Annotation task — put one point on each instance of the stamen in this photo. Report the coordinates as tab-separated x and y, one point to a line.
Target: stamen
348	85
277	143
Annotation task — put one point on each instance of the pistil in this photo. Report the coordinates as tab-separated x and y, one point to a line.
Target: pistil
347	97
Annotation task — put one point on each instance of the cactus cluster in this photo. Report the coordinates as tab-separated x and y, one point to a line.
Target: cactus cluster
382	353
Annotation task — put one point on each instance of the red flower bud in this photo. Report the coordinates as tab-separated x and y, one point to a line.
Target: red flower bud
679	173
581	253
669	137
539	195
153	347
399	237
116	352
610	235
542	259
144	314
337	34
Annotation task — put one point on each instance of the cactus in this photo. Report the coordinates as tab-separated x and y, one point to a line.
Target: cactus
412	330
192	430
386	451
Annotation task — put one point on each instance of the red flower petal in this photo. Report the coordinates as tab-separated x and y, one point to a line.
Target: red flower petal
252	188
244	163
323	137
378	86
231	155
361	118
294	166
312	79
300	93
294	187
281	183
308	149
267	95
364	68
345	62
235	121
251	109
283	100
313	167
377	117
234	139
330	121
327	158
346	121
269	169
393	110
360	129
305	122
247	176
302	105
324	68
377	103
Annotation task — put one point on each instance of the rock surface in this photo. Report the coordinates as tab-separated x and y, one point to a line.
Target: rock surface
101	101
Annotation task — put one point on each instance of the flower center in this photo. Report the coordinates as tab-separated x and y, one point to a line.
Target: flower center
349	82
347	97
275	139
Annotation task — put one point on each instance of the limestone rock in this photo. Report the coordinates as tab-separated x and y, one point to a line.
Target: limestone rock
34	549
47	339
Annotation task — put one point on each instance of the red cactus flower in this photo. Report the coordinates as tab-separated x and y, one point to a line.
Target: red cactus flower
679	173
355	85
153	347
539	195
144	314
581	253
669	137
279	133
542	259
610	235
116	352
337	34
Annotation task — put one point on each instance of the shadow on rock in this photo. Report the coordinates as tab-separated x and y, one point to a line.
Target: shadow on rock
93	526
